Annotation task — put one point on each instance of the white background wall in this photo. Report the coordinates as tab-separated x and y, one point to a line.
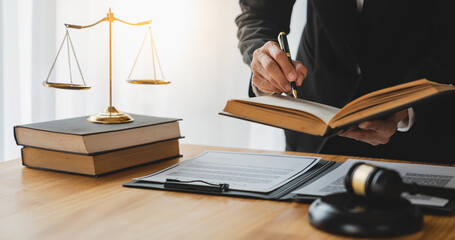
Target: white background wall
197	46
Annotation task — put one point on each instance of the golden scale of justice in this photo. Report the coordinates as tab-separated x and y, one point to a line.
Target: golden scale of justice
110	114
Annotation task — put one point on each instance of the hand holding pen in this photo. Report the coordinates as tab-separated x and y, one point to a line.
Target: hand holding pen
273	71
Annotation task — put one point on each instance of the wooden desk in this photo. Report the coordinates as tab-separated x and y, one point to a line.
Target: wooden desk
38	204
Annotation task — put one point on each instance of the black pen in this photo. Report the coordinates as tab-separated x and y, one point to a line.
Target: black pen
283	41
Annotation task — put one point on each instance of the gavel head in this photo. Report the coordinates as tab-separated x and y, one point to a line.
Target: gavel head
373	182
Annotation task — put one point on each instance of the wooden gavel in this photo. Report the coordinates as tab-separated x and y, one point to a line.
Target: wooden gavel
375	182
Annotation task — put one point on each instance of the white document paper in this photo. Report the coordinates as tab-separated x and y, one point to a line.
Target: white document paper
439	176
242	171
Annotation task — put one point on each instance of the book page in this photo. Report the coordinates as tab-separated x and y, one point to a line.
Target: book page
440	176
242	171
387	100
324	112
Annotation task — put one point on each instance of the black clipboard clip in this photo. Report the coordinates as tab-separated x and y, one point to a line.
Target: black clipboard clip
186	185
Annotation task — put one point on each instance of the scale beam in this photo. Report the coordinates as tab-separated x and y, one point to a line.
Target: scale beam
87	26
110	17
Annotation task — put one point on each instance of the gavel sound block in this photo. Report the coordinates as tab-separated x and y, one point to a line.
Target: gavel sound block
372	205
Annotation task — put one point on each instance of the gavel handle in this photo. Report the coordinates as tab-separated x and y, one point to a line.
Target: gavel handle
447	193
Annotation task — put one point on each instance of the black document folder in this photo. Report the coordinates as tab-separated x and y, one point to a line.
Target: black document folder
281	193
284	192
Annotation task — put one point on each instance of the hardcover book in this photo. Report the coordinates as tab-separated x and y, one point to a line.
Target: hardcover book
323	120
100	163
77	135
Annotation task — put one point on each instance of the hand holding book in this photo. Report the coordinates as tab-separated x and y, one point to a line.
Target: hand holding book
376	131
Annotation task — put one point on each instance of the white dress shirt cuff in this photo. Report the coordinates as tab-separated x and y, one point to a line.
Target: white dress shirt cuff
406	124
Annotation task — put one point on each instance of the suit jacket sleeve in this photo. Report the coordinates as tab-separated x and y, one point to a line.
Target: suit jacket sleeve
436	64
261	21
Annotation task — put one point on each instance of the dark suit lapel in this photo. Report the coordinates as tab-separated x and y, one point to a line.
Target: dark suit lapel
346	19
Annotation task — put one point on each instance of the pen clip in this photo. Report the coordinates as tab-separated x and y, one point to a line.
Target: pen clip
284	45
186	185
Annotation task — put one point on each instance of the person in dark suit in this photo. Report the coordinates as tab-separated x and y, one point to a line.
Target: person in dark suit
352	47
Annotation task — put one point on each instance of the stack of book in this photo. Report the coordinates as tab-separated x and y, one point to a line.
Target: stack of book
78	146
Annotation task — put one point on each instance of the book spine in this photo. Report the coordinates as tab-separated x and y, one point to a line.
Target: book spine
22	156
15	136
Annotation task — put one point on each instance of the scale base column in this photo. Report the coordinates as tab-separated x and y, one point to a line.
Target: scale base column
110	115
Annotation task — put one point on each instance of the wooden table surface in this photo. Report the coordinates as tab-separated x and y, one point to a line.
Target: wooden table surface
38	204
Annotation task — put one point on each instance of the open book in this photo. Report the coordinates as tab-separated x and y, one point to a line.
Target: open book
323	120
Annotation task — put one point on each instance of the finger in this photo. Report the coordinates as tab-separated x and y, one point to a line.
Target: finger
257	68
301	72
269	85
278	79
375	124
263	84
273	89
385	127
264	81
283	61
348	129
369	136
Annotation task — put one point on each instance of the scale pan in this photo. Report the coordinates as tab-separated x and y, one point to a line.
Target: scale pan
148	81
69	86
